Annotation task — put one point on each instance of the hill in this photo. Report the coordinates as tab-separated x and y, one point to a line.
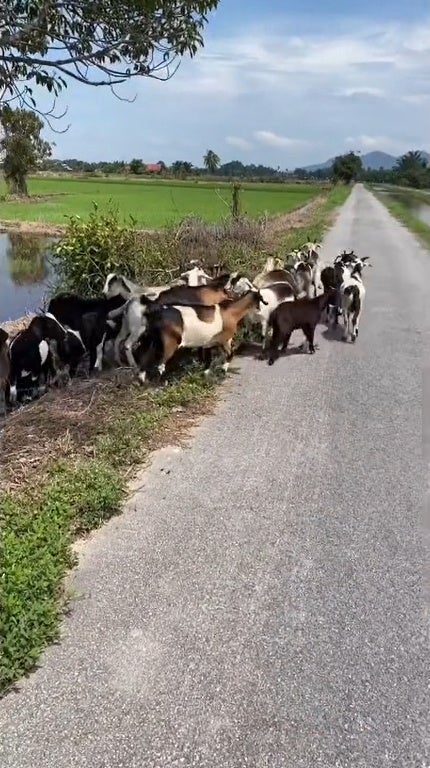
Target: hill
371	160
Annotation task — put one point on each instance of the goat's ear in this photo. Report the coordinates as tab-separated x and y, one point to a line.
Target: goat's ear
365	258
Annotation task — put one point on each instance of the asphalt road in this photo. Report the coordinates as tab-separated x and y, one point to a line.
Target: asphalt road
263	601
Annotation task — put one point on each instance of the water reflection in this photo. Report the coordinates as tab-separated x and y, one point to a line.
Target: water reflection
26	273
418	207
27	257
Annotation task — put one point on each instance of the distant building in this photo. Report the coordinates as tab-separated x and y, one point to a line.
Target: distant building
154	168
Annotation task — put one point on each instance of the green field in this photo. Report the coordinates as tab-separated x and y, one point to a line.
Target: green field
153	204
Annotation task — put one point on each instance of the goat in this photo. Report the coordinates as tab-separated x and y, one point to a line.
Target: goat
173	327
303	272
119	285
4	369
134	315
30	354
196	276
333	277
311	254
272	264
289	316
353	293
88	317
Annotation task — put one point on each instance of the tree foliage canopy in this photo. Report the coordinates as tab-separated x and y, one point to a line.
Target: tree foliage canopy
346	167
96	42
211	161
412	170
22	146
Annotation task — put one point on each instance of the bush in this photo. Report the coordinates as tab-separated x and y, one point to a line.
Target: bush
92	248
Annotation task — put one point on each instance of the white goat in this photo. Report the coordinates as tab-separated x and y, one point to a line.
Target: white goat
310	251
196	276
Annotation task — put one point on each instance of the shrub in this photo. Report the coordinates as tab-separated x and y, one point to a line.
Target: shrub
92	248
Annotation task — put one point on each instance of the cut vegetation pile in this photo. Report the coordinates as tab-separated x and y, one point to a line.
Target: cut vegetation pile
65	460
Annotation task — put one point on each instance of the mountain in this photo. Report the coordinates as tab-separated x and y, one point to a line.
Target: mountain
372	160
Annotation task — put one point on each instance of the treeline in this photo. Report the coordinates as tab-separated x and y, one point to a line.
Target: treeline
411	170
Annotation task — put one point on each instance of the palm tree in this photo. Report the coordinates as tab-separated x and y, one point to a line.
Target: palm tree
412	170
211	161
412	161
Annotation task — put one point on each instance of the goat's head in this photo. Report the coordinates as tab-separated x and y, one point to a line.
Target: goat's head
241	284
117	285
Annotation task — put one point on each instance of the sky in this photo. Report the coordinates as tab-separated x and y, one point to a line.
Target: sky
282	82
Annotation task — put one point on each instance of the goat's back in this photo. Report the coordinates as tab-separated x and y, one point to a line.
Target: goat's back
295	314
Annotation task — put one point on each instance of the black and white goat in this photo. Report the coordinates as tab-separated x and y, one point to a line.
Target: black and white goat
88	318
353	293
31	359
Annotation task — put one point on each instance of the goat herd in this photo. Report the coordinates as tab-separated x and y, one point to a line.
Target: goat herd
197	310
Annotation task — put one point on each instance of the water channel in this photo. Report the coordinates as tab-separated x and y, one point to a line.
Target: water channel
417	206
27	273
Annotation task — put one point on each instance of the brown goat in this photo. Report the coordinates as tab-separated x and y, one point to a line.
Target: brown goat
218	290
192	327
301	314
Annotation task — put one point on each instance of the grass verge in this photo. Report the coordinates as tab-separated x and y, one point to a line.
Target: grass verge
64	465
402	213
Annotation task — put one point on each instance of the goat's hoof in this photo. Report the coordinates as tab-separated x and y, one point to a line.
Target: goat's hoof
270	362
344	338
261	356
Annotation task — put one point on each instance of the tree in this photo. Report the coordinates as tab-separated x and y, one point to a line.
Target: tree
22	146
211	161
99	43
346	167
412	170
136	166
181	168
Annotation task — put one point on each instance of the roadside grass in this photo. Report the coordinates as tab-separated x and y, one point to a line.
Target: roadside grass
80	485
153	204
403	214
64	466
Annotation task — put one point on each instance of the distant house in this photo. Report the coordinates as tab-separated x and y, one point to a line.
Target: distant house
154	168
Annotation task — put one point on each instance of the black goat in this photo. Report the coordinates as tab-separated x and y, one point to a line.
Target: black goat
289	316
4	369
89	319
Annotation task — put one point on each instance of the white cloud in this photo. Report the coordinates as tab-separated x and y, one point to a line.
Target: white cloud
274	140
352	78
237	141
363	90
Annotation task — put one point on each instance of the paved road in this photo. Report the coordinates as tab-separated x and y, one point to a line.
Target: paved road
263	601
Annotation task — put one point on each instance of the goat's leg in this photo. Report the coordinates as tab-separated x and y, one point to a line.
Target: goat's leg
264	329
227	347
206	359
309	332
99	354
275	342
355	321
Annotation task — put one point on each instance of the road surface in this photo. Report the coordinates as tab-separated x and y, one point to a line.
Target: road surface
263	601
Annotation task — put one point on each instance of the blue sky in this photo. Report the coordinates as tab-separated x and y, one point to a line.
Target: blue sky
285	82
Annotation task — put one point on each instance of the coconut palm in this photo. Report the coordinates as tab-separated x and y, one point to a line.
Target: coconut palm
211	161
